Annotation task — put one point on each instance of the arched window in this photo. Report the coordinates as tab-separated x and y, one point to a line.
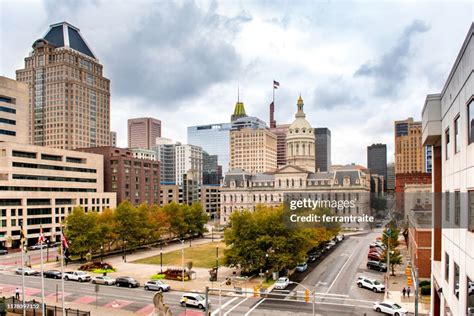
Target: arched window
287	182
301	182
292	182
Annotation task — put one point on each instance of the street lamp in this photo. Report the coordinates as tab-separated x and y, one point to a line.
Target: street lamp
101	254
314	293
125	251
190	237
182	258
161	259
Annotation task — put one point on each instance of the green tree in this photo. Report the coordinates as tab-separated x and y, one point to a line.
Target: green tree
395	259
177	225
390	240
195	219
128	223
260	240
82	231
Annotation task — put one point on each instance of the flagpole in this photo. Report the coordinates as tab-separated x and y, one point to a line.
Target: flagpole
23	275
273	85
43	307
62	270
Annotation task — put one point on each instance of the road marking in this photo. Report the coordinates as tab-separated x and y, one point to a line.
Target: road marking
254	307
224	306
230	310
340	271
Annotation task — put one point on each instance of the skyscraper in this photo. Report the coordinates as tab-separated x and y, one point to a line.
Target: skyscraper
409	152
166	154
390	183
377	159
214	139
323	148
211	174
280	131
113	138
13	111
188	159
69	103
142	132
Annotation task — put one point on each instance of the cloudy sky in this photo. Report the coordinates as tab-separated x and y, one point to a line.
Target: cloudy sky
358	65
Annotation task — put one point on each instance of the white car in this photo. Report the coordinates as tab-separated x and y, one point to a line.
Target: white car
103	279
302	267
390	308
282	283
26	271
193	299
371	284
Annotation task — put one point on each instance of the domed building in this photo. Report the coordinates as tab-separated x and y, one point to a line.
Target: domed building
300	141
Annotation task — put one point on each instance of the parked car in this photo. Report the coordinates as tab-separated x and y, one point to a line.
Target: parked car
103	279
376	265
27	271
3	252
389	308
79	276
54	244
282	283
374	256
376	250
52	274
156	285
193	299
301	267
312	257
371	284
38	246
340	238
127	282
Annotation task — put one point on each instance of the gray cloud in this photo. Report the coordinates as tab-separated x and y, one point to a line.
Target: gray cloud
391	69
171	58
334	92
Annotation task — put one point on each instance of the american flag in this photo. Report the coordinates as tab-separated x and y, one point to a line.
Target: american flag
41	238
276	84
64	241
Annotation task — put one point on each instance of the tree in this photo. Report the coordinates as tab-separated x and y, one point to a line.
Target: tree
395	258
128	223
195	219
82	231
177	226
260	240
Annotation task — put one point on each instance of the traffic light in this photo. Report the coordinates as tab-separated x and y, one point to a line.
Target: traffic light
306	296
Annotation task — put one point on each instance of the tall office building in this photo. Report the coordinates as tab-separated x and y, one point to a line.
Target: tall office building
448	126
214	139
211	173
253	150
188	158
113	138
409	152
13	111
134	179
280	132
390	183
166	154
428	159
323	148
69	98
142	132
377	159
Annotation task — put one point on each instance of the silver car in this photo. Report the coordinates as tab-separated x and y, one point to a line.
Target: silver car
156	285
105	280
27	271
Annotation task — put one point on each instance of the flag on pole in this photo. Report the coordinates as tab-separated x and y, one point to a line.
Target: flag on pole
64	241
276	84
41	238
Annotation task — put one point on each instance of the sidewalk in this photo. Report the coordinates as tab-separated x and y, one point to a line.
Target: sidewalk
142	272
399	281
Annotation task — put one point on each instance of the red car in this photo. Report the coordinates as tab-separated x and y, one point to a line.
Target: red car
374	256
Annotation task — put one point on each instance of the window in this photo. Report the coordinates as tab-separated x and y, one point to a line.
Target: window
446	267
446	206
457	138
470	121
470	294
456	280
446	141
470	205
457	208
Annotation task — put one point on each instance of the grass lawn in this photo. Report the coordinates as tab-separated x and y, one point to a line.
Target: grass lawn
202	256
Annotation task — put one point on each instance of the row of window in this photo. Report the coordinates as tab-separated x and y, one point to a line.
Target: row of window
51	178
457	209
457	131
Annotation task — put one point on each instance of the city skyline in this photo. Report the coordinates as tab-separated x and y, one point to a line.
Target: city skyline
350	56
